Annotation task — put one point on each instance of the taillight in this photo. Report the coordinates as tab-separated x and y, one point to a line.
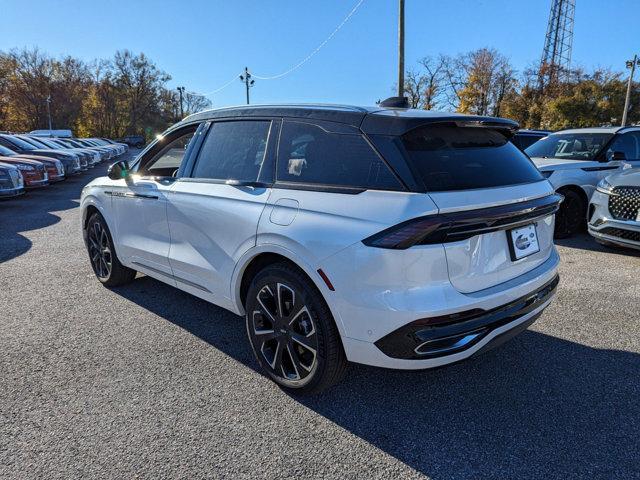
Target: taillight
412	232
456	226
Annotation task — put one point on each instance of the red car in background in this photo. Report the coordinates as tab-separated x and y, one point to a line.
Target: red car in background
34	172
54	168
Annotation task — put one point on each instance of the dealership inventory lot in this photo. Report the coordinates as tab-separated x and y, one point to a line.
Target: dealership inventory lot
148	381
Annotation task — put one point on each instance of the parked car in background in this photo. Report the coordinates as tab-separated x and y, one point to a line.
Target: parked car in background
54	168
33	172
52	133
136	141
46	144
108	152
72	163
614	210
95	156
575	161
113	142
523	139
11	181
396	238
115	147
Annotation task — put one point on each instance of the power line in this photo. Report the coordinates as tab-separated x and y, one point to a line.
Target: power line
294	67
318	48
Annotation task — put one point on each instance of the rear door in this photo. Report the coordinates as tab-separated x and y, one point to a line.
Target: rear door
214	209
476	177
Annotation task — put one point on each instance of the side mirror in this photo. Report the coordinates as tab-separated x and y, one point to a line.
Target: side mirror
118	170
617	156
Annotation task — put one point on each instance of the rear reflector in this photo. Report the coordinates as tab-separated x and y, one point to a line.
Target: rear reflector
456	226
326	280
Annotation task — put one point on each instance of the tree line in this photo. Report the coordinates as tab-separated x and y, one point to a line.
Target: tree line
128	93
124	95
483	82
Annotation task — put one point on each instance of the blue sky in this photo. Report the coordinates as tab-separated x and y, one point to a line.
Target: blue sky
204	44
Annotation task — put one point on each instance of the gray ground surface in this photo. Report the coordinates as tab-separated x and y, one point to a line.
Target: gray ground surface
146	381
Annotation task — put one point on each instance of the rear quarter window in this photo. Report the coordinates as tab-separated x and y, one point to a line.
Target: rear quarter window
451	157
310	155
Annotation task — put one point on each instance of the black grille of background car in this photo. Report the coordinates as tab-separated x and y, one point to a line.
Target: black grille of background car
620	233
625	203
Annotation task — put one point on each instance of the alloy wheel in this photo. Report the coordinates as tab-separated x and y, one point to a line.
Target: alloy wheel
100	250
283	333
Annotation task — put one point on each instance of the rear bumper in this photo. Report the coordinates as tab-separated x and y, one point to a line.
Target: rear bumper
436	337
464	324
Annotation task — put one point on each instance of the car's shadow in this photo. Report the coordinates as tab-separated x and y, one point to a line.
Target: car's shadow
36	209
537	407
584	241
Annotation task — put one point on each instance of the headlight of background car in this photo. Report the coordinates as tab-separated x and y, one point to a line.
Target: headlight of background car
27	168
605	187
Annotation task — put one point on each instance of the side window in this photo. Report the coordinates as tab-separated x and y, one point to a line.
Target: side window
233	150
166	162
309	154
627	143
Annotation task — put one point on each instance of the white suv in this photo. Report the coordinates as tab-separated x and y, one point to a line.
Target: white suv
575	161
390	237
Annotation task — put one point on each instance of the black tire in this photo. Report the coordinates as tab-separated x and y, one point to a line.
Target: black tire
300	326
572	216
102	254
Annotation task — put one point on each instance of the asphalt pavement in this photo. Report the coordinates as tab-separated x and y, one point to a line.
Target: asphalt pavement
144	381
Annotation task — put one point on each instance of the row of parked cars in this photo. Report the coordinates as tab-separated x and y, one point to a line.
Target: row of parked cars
33	160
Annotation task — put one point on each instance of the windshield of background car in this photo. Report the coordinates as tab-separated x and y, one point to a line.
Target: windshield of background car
6	152
20	143
570	146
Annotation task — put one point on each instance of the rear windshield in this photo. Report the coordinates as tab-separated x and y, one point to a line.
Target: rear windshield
451	157
570	146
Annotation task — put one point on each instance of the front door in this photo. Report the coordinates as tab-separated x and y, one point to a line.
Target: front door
140	206
213	211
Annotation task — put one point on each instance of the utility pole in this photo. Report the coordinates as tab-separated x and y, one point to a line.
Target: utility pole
401	49
49	110
632	65
181	90
248	82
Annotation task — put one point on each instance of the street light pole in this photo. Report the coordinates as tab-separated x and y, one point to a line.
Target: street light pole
49	110
632	65
401	49
248	82
181	90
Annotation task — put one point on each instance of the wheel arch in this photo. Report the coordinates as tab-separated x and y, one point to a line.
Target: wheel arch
263	255
577	189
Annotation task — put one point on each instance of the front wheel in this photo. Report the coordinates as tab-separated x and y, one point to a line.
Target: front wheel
102	254
572	216
292	332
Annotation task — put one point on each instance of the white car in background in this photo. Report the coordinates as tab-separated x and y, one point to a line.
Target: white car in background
385	236
614	211
575	161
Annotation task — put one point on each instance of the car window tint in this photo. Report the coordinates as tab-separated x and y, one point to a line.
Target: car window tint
311	155
452	157
233	150
627	143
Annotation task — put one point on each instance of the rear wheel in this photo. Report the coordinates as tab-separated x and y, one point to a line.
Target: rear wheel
102	254
571	218
292	332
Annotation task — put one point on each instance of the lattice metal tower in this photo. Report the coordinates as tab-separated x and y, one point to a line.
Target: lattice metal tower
556	56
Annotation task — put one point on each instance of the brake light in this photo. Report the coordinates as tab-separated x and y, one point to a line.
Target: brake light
412	232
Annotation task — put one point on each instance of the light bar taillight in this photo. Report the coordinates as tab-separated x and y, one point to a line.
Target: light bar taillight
456	226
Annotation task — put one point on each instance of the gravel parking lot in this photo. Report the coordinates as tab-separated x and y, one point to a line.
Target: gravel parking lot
146	381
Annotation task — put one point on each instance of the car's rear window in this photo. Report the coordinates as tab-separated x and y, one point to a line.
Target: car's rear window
452	157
